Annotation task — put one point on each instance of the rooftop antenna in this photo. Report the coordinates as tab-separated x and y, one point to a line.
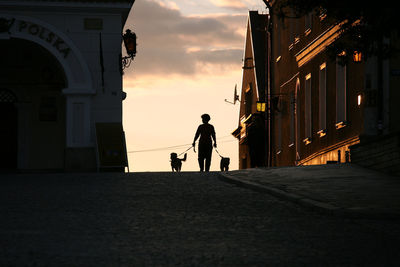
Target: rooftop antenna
235	97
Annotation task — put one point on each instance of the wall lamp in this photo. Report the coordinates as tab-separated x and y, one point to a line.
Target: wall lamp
261	106
130	45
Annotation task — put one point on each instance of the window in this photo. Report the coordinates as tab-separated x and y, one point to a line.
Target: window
296	32
279	143
249	99
243	127
307	113
278	28
322	13
291	33
340	94
248	63
292	118
322	100
297	108
308	23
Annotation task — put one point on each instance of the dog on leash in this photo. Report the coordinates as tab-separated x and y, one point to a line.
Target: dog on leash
224	165
176	163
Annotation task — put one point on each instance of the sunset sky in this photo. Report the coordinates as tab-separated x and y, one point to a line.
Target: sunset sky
189	60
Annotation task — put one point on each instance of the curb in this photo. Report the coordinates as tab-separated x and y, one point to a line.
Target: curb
315	205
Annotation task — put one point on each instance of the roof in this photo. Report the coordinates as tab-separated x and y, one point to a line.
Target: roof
258	26
121	6
82	1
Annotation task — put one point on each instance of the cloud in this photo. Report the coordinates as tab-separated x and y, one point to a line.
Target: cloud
170	43
167	4
232	4
226	56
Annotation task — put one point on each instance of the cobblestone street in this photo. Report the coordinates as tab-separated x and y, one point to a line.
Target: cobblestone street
184	219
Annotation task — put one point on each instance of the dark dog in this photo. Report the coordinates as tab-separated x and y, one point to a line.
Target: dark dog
224	165
176	163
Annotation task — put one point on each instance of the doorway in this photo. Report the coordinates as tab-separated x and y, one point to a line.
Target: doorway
9	131
33	126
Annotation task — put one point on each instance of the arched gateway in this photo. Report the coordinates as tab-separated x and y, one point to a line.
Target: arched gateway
50	94
46	72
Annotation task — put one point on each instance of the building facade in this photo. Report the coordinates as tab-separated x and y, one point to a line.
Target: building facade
323	104
59	77
316	113
252	128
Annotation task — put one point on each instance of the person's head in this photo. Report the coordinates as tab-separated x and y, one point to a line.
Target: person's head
205	118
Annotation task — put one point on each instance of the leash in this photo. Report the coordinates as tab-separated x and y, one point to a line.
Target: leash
194	149
187	150
216	150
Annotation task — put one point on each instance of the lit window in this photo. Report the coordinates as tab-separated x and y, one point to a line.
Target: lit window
359	99
357	56
308	23
322	13
308	110
322	99
341	94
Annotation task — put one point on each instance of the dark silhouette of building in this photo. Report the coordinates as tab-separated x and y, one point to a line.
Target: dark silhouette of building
59	77
251	131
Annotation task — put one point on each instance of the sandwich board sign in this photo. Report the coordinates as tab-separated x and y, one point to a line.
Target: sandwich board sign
111	148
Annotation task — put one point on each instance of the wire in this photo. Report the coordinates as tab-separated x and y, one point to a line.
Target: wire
160	148
177	146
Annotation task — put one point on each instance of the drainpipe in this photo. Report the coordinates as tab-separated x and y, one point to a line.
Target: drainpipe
269	77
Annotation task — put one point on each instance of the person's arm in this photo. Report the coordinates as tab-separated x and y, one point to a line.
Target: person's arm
196	136
214	137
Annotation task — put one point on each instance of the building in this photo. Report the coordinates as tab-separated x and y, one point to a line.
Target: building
316	116
251	131
60	80
323	105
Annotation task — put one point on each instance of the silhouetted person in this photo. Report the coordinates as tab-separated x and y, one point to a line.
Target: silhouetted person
206	132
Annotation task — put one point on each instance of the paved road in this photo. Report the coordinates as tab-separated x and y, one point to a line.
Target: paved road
186	219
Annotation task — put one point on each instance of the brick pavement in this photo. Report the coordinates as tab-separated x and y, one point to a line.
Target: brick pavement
171	219
340	189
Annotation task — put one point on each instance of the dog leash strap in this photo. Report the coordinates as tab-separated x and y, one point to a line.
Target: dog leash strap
186	151
216	150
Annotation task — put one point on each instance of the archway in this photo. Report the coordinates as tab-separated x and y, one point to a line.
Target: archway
35	117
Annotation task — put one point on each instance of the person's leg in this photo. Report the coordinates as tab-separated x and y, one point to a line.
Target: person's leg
201	163
202	155
208	158
208	163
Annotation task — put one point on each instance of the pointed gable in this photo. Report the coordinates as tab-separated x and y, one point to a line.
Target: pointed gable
258	33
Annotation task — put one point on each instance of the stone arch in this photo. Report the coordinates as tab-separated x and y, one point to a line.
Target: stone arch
79	80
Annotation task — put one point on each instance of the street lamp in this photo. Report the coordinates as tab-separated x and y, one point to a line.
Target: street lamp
130	45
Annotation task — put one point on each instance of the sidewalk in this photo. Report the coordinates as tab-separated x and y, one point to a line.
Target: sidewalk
343	189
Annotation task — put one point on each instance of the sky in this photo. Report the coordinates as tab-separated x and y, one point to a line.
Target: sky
188	62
